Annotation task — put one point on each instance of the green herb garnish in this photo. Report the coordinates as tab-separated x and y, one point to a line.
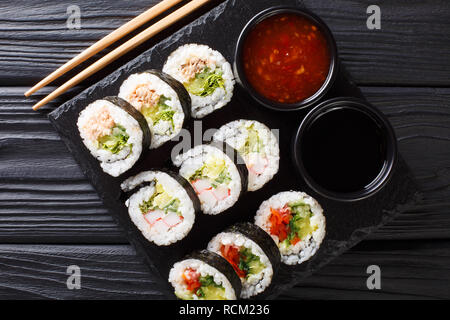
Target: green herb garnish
207	281
249	262
300	223
172	206
223	177
160	200
213	170
198	174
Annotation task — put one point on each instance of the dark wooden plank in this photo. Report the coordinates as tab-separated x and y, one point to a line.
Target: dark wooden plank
412	47
43	192
421	119
409	270
107	272
46	199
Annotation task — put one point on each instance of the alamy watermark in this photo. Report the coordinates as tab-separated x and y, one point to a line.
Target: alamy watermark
374	20
374	280
187	141
74	17
74	279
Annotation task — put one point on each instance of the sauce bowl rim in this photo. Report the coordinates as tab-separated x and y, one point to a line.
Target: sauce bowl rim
388	134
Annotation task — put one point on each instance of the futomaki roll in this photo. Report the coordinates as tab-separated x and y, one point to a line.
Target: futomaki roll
205	74
162	100
162	205
217	174
204	275
296	223
257	145
114	133
252	253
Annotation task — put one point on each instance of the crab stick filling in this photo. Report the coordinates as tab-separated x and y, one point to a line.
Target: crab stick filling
210	182
256	163
161	211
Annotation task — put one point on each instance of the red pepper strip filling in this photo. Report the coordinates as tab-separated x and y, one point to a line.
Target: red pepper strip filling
279	224
191	278
232	255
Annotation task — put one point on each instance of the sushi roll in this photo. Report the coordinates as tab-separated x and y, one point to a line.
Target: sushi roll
114	133
162	100
296	223
257	145
252	253
205	74
204	275
162	205
217	177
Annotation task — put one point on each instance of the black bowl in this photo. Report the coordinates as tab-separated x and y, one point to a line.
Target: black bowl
239	70
388	136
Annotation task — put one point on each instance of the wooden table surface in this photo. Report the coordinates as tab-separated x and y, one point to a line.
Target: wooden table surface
51	218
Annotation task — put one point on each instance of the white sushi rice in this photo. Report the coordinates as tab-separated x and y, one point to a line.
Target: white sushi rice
175	277
160	237
190	161
202	106
113	164
306	248
255	283
236	133
162	131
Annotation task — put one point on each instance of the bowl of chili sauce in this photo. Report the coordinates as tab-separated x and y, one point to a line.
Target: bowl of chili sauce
286	58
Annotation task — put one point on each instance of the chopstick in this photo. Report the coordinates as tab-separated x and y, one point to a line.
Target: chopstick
123	49
105	42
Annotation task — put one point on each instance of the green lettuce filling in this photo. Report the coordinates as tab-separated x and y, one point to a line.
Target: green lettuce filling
116	141
214	170
300	223
253	143
210	290
160	200
206	82
249	262
159	112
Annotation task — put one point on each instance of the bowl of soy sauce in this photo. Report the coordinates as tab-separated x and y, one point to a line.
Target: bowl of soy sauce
345	149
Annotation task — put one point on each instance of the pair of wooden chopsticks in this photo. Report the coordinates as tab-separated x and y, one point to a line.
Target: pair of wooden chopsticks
119	51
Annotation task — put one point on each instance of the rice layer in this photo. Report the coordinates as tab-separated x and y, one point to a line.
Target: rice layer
307	247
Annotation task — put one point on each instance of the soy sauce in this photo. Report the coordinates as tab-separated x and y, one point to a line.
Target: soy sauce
343	150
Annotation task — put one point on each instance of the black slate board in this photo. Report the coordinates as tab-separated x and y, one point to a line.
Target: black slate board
347	223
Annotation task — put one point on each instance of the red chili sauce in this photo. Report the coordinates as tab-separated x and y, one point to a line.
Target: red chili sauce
286	58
